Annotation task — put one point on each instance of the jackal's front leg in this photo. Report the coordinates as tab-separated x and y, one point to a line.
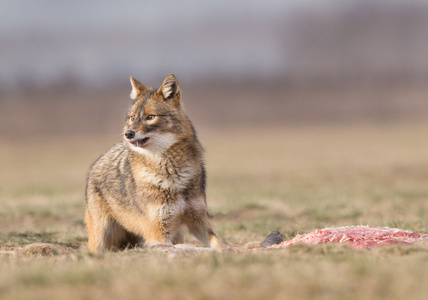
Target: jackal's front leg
162	227
197	222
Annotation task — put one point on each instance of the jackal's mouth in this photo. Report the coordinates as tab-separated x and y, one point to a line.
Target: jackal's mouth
140	142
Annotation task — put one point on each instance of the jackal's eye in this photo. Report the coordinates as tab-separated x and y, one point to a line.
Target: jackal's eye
150	117
131	118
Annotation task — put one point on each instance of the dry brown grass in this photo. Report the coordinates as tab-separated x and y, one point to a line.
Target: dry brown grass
290	179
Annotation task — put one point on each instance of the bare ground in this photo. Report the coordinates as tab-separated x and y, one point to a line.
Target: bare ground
293	160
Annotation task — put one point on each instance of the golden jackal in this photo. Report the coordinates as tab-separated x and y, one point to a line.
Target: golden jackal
146	187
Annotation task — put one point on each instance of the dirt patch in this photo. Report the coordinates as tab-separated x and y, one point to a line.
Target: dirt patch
37	249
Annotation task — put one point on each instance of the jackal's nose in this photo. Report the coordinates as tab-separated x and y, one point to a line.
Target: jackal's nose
129	134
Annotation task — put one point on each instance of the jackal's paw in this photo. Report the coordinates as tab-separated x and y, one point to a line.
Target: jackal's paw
192	248
161	247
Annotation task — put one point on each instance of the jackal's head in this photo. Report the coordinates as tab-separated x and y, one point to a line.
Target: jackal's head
156	119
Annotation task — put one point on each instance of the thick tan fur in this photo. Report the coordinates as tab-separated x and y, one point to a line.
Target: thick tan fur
142	190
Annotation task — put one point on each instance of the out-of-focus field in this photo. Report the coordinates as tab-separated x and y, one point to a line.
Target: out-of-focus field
291	160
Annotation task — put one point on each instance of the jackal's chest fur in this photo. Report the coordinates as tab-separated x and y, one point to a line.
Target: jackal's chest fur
172	173
164	177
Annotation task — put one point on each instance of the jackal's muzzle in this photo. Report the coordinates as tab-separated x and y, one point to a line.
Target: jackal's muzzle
135	139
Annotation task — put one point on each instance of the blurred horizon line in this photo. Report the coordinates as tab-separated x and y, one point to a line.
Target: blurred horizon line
69	84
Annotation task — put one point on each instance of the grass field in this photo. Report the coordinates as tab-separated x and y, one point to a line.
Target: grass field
291	179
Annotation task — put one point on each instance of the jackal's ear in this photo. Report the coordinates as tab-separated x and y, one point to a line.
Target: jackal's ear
169	88
137	88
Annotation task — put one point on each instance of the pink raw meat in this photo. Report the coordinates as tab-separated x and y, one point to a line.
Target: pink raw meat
357	237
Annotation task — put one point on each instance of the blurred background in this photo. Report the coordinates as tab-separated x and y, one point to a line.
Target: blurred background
312	113
65	66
